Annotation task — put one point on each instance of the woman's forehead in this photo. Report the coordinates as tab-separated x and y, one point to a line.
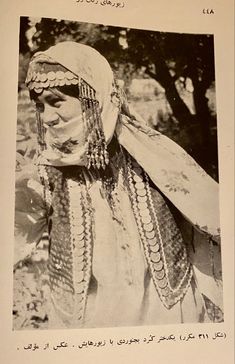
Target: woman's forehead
50	93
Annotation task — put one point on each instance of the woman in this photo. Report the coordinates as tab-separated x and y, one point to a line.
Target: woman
116	198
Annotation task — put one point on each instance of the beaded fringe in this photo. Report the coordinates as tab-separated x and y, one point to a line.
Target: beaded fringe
96	151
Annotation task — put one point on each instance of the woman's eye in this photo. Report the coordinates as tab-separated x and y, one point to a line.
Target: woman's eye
55	102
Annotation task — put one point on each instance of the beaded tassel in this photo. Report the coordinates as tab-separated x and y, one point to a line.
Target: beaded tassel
97	155
41	132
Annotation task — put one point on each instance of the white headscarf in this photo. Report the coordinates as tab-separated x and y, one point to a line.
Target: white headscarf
170	168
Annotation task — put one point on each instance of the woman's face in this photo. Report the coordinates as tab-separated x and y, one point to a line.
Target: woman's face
57	108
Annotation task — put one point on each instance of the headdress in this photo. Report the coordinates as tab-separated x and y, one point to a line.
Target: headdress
45	73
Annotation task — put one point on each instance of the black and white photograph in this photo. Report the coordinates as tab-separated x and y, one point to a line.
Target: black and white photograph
116	185
117	182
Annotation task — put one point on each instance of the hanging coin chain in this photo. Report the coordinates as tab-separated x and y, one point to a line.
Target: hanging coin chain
82	241
188	270
148	237
150	234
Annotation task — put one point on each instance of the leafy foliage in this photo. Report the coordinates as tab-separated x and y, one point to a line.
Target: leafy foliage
31	292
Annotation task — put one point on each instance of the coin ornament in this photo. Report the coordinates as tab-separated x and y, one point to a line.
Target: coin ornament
149	231
81	236
38	81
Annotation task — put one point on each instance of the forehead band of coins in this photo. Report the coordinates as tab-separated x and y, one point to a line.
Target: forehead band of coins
44	75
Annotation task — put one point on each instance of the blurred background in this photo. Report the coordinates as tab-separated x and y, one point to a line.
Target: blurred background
169	78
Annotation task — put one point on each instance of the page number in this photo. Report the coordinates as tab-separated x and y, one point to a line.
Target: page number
206	11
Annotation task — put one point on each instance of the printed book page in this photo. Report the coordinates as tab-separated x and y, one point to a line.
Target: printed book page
117	186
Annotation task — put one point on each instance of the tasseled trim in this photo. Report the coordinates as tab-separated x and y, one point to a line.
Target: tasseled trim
96	152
